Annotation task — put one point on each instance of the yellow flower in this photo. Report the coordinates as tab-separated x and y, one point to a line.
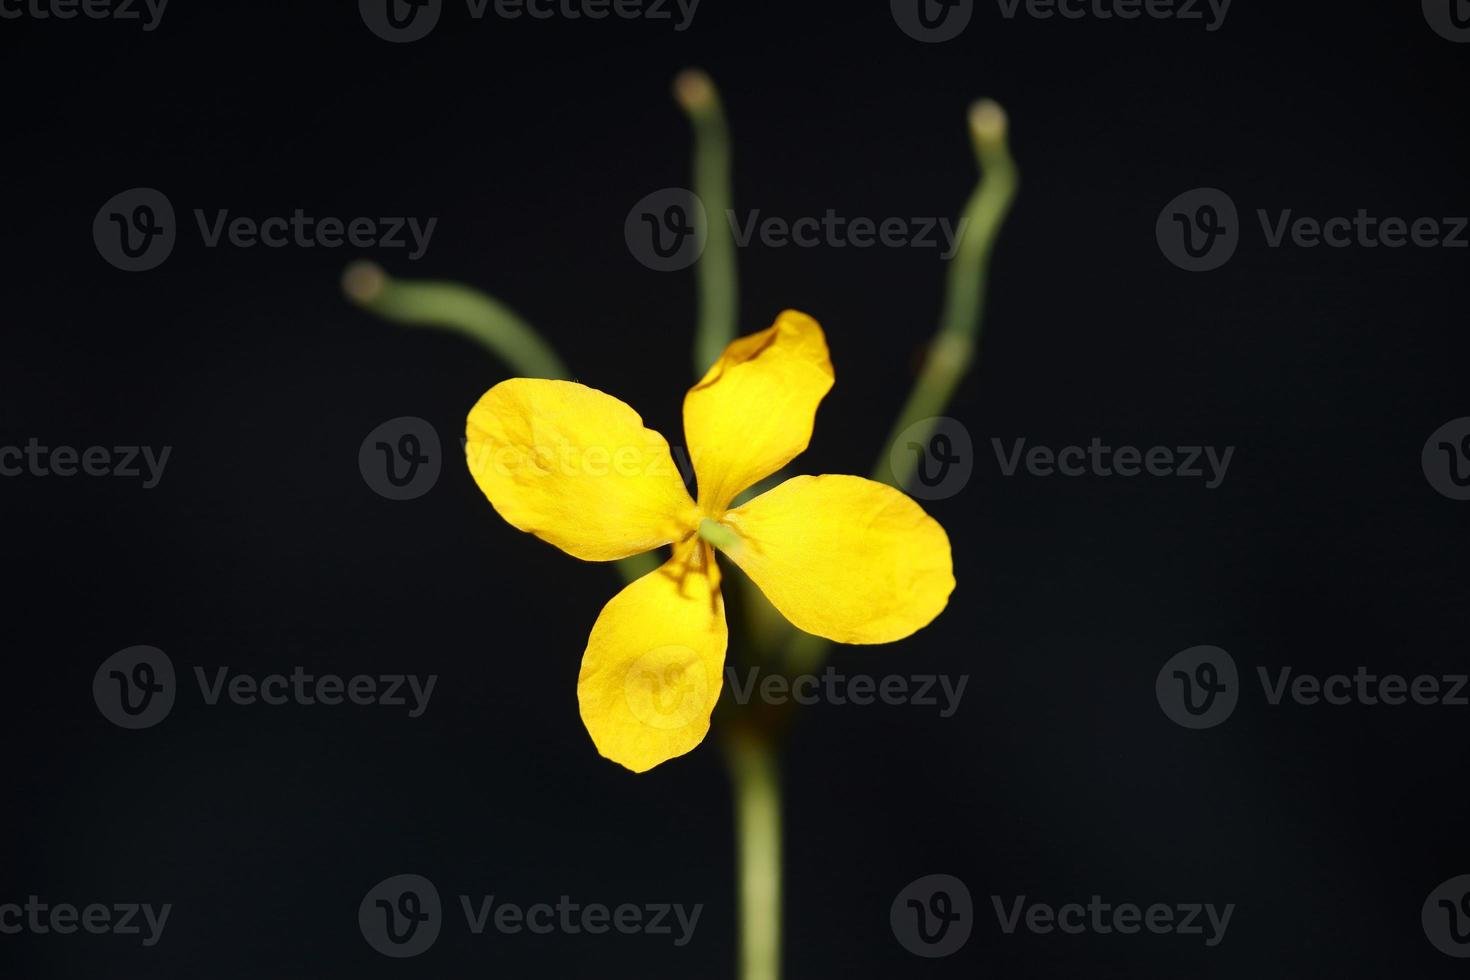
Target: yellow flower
842	557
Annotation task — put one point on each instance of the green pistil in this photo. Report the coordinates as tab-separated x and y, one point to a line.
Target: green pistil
719	535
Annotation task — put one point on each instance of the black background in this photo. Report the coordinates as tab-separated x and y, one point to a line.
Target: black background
1059	778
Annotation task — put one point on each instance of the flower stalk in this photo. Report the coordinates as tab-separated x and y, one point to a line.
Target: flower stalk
954	347
470	313
719	300
457	308
755	781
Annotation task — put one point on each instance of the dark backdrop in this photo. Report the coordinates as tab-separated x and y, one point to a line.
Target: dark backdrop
1059	778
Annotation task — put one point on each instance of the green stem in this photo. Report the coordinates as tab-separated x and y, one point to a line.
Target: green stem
756	781
634	568
953	349
718	289
954	346
470	313
457	308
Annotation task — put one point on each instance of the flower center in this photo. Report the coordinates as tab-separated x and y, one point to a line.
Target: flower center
719	535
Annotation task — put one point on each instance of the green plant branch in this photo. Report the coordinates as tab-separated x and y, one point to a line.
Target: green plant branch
755	780
458	309
954	347
470	313
719	300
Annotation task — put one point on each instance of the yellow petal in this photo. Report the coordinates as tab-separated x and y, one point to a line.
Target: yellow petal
576	468
752	413
845	558
652	671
